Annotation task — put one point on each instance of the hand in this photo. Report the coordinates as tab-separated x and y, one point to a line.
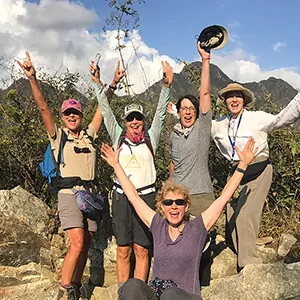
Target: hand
170	107
95	72
108	154
247	154
27	67
204	54
119	74
167	73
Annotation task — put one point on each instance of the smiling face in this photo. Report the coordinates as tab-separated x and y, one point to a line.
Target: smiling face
235	102
187	113
174	213
72	119
134	123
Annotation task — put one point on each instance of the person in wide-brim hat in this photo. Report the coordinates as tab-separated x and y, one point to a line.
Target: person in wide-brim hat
248	96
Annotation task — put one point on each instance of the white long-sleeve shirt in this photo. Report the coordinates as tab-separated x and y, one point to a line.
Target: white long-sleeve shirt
256	124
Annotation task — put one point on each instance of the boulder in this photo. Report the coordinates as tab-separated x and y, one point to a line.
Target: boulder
286	242
277	281
23	227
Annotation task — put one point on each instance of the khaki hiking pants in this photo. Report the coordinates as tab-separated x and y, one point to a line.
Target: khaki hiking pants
243	217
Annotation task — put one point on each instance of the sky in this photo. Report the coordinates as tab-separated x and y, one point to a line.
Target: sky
64	34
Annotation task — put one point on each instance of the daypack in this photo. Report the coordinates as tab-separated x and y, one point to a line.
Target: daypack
50	165
147	140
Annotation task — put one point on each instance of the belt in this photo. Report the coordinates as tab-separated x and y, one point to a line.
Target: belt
141	191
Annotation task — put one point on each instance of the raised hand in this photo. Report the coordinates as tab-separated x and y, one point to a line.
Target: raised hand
119	74
95	72
203	53
247	154
27	66
167	74
108	154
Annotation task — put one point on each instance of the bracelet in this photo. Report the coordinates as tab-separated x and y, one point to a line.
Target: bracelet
241	170
113	87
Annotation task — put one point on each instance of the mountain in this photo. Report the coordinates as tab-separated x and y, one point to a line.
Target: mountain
280	91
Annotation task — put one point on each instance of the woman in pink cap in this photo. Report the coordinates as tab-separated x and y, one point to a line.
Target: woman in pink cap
78	161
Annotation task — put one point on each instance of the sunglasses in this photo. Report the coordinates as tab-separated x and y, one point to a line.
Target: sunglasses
169	202
68	112
137	116
82	150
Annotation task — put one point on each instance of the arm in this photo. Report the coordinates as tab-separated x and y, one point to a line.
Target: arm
289	115
142	209
104	94
97	119
160	114
171	170
46	114
205	101
211	215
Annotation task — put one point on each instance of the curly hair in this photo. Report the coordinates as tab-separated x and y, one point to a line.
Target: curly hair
167	187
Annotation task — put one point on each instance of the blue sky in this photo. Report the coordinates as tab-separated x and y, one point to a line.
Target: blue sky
64	34
256	26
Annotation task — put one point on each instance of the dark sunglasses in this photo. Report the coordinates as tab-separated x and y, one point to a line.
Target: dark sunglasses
169	202
137	116
82	150
68	112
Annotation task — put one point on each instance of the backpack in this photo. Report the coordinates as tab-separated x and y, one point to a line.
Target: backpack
147	140
50	165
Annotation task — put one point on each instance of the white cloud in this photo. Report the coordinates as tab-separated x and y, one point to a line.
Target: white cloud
55	32
243	67
278	46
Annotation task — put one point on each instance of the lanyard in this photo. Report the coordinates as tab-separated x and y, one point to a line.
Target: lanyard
233	140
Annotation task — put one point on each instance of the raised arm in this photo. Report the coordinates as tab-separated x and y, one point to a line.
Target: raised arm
288	115
160	113
46	114
142	209
211	215
97	119
205	101
104	94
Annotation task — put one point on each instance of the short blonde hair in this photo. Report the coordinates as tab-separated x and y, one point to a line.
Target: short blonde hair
167	187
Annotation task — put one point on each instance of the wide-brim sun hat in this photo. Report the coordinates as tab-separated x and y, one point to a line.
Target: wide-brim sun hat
131	108
213	37
249	98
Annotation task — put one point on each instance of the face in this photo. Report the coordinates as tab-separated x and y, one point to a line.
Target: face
72	119
174	213
187	113
234	102
134	123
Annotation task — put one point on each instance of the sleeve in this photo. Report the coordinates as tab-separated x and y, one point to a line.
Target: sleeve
159	117
91	131
286	117
206	120
154	226
55	140
113	128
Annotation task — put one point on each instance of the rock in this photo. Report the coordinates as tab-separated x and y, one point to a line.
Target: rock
285	244
294	254
264	240
267	254
264	282
224	262
110	261
23	227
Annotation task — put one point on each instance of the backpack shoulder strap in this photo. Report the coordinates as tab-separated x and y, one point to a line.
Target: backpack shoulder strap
62	143
90	138
122	137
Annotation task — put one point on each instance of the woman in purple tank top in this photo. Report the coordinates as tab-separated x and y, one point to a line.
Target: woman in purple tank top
178	242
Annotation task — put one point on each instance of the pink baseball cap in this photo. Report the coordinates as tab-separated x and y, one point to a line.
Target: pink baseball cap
71	103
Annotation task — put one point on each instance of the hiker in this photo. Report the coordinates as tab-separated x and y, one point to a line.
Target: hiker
138	145
189	143
79	160
243	214
178	242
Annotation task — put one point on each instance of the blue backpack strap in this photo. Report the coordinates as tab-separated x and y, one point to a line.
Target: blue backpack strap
63	140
